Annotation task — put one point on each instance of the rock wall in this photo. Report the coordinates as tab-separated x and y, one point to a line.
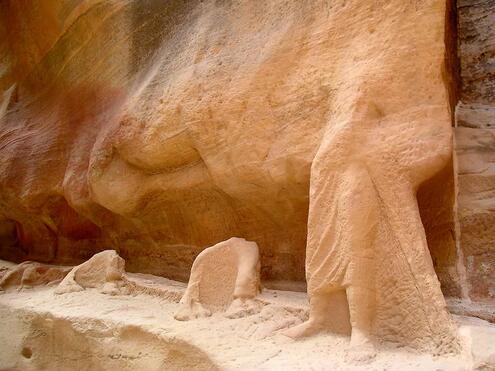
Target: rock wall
475	141
160	128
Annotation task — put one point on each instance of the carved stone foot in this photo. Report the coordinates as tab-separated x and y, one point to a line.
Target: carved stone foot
191	310
303	330
67	288
361	349
243	307
114	288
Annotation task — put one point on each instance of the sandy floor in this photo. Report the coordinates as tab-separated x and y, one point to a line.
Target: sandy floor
91	331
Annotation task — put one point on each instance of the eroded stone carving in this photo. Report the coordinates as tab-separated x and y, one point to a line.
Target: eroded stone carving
220	124
365	235
104	271
223	276
31	274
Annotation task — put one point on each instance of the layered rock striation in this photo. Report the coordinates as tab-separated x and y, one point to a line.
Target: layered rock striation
475	146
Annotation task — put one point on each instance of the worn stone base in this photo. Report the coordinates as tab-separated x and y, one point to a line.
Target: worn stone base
90	331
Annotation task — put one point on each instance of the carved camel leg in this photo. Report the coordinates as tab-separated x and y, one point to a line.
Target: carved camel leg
247	285
190	304
365	234
342	259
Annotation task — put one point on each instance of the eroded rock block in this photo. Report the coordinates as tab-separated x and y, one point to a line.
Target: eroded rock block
475	140
30	274
223	276
475	149
104	271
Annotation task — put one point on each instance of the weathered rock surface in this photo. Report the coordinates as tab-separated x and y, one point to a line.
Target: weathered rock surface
160	128
475	146
476	200
223	277
477	51
30	274
104	271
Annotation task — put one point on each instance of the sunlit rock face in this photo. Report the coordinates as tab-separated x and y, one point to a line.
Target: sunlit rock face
475	139
161	127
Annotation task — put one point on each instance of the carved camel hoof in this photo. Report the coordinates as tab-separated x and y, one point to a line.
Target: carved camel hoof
306	329
243	307
361	348
192	310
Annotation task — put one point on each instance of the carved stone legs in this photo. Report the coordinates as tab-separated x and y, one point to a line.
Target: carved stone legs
361	307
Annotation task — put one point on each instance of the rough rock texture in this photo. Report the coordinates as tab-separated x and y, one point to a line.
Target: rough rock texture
31	274
104	271
162	127
476	51
476	158
224	276
475	146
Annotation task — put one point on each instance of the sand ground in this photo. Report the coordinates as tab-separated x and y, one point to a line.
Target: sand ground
91	331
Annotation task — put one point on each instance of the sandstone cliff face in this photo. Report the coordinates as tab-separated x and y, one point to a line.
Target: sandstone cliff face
475	140
160	128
